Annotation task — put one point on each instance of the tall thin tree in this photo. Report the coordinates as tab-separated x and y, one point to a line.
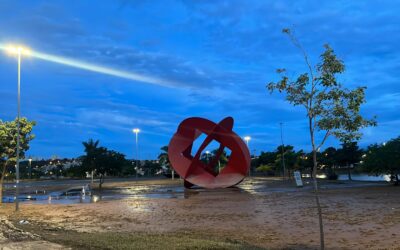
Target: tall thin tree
331	108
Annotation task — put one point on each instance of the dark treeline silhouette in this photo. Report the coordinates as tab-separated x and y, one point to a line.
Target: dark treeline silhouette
375	159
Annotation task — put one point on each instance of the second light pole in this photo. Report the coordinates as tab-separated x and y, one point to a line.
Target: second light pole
19	51
136	131
247	139
283	151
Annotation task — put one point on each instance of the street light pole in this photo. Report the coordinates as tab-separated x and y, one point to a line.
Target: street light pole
30	167
136	131
207	154
18	133
283	151
247	139
18	51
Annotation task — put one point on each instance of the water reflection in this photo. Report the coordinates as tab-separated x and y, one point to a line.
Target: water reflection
253	186
364	177
95	198
354	177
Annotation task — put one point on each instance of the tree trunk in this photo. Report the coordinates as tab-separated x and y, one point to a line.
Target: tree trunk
314	175
349	171
3	173
1	190
321	225
101	181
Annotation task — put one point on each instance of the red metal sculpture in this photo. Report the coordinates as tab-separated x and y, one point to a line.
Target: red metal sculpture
196	172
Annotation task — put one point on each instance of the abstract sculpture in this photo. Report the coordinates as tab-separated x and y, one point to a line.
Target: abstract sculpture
192	169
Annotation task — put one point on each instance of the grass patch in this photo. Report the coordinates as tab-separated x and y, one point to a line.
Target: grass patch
123	240
141	241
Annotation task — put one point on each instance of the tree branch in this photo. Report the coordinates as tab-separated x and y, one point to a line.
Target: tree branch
298	45
323	141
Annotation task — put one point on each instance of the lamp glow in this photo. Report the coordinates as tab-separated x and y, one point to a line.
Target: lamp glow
16	49
20	50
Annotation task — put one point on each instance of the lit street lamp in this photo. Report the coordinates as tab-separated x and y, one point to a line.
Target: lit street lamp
19	51
247	139
136	131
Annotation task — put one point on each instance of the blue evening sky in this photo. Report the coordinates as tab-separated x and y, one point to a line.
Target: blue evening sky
215	56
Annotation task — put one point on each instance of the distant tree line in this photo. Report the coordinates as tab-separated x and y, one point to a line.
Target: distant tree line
97	160
375	159
384	159
102	162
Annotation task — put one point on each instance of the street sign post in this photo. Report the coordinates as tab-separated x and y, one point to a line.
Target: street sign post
297	177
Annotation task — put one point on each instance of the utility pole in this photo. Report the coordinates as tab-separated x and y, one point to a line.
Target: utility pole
18	51
30	167
18	134
247	139
136	131
283	151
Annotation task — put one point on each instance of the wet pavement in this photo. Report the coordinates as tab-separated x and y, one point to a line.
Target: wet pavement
54	192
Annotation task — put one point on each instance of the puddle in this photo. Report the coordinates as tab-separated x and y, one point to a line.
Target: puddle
114	194
46	199
73	195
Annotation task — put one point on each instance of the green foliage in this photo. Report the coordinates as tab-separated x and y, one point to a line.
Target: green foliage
294	160
330	107
349	154
101	160
8	139
223	158
265	158
91	150
8	144
329	157
109	162
163	157
265	169
304	161
151	167
290	156
222	161
328	160
383	159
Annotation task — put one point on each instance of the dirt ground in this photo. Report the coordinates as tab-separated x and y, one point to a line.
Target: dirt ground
278	216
